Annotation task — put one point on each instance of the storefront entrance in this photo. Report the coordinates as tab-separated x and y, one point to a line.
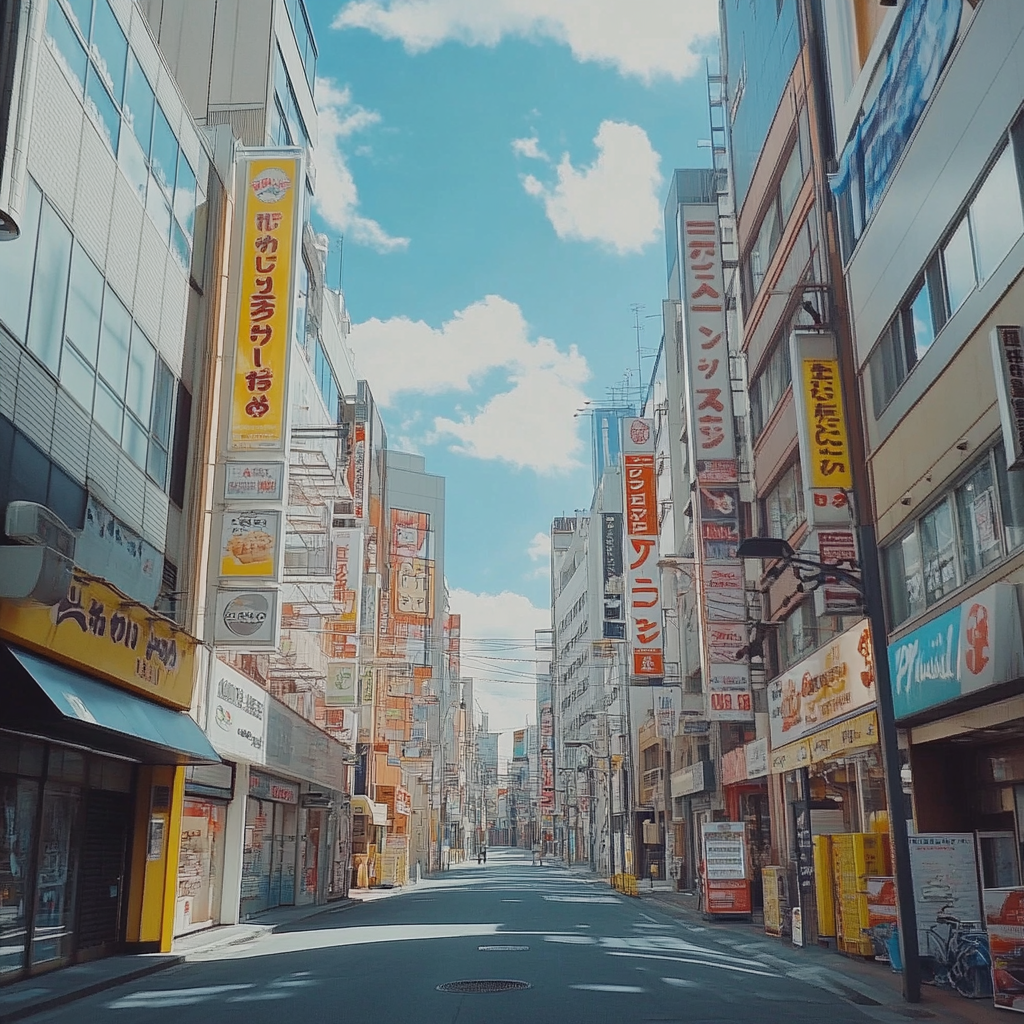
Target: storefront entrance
67	817
269	847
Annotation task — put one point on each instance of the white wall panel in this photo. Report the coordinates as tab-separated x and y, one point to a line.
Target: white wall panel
130	493
56	134
34	402
126	217
71	426
142	43
10	357
154	519
103	458
172	317
94	195
149	280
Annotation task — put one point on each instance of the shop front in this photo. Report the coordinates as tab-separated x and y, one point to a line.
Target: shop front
369	826
745	785
830	823
692	788
957	683
94	743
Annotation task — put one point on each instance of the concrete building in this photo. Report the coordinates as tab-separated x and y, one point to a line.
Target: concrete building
933	253
102	373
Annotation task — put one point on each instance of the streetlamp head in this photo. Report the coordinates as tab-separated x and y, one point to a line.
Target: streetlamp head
765	547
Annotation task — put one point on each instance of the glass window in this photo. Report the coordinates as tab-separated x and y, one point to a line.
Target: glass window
138	104
141	367
85	296
958	260
133	162
17	259
185	195
18	798
54	926
158	209
163	403
114	343
921	319
67	46
108	410
164	153
888	366
49	288
135	440
978	521
77	376
81	15
156	467
764	247
996	215
938	552
904	577
789	185
109	49
1011	499
101	108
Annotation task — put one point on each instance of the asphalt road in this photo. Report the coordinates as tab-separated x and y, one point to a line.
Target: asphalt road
585	955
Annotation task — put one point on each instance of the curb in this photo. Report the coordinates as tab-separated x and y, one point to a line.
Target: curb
63	998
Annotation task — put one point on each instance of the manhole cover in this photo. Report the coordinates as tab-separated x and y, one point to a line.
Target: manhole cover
467	987
503	949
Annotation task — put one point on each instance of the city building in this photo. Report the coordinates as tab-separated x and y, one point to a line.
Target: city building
933	255
102	377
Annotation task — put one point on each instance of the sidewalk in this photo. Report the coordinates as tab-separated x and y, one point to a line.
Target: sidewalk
34	995
866	983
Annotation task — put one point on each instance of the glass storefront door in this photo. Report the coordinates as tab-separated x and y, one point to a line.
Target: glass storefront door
56	874
19	800
268	855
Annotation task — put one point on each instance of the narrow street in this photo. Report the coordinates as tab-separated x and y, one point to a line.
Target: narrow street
577	951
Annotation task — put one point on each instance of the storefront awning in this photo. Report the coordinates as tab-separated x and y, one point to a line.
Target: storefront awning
50	700
377	813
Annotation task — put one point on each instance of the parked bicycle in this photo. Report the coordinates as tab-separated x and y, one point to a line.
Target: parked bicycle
959	956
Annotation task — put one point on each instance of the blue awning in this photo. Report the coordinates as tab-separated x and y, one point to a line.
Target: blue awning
80	709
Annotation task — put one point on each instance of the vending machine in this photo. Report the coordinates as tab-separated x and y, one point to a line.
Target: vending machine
724	869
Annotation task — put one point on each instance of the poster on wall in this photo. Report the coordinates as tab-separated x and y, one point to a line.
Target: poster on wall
254	481
249	543
342	686
944	868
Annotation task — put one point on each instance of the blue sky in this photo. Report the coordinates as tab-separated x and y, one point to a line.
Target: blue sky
498	169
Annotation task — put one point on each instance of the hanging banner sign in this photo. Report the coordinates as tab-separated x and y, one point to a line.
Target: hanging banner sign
270	216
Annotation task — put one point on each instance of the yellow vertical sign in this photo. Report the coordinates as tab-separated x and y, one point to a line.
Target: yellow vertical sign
270	220
826	425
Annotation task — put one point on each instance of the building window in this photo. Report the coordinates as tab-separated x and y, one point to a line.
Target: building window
782	510
774	221
49	288
969	255
91	46
971	527
802	632
767	389
303	38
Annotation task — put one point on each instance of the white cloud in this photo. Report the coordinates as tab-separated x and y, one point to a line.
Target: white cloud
529	424
540	547
503	688
337	197
646	40
616	200
530	148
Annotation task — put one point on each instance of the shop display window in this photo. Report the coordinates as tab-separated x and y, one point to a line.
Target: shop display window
200	865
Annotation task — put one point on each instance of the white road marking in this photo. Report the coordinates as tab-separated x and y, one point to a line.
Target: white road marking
572	940
680	983
608	988
694	960
647	917
580	899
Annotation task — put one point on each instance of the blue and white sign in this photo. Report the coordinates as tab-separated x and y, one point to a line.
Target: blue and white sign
956	653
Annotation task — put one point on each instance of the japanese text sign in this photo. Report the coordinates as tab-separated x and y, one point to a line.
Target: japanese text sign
270	219
826	425
1008	362
707	345
643	576
97	629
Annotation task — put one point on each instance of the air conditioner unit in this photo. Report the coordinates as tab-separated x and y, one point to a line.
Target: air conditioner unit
28	522
36	573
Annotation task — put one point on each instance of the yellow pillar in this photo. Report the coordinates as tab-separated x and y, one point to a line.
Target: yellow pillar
154	858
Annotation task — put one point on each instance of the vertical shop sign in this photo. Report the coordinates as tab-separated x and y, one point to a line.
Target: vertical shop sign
614	615
710	386
347	571
412	568
643	579
270	231
1008	362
